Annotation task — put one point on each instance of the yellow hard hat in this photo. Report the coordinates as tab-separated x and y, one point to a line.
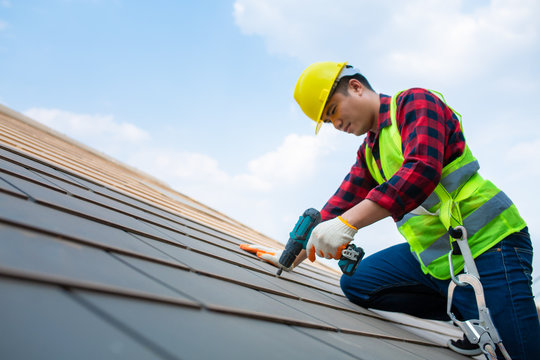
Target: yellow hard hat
314	87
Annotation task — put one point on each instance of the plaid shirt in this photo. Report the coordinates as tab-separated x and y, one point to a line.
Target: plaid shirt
431	138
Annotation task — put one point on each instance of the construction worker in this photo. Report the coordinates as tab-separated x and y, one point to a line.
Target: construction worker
415	166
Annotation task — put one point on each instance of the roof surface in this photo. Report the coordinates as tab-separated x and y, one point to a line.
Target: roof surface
100	261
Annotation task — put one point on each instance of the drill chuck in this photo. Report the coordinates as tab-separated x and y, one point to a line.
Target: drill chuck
290	253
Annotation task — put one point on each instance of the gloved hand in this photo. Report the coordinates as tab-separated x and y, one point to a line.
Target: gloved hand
329	238
265	253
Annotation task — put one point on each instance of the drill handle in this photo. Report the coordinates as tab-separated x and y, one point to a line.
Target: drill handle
305	225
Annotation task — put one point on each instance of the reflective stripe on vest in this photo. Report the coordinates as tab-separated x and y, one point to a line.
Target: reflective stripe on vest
473	223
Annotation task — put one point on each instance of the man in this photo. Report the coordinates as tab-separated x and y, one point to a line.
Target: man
415	166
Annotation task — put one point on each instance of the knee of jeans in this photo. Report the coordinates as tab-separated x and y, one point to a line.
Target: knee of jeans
352	292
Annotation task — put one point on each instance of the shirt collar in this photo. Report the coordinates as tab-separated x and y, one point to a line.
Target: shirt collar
384	119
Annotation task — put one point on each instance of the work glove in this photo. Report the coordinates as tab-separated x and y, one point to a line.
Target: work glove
267	254
329	238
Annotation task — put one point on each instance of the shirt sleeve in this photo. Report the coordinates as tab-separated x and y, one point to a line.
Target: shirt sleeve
421	118
354	188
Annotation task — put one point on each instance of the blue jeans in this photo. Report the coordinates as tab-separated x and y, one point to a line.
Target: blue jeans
392	280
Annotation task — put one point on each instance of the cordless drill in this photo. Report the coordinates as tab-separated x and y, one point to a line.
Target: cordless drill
298	239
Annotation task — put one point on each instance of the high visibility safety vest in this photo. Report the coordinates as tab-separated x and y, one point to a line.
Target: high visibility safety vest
462	197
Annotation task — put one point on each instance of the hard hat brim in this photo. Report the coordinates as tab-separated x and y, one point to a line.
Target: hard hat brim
328	96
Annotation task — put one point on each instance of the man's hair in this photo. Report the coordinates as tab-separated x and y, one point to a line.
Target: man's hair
343	83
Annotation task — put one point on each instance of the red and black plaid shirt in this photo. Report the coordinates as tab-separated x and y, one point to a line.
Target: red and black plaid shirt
431	138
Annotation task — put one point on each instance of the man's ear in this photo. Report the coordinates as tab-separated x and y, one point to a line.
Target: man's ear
356	87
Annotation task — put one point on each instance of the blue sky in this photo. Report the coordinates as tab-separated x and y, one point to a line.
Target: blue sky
199	93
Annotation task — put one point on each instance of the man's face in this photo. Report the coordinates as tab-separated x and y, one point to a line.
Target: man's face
354	113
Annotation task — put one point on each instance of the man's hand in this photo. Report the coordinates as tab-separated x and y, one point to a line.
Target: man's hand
329	238
265	253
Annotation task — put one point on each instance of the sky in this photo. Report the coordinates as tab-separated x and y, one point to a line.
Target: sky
199	94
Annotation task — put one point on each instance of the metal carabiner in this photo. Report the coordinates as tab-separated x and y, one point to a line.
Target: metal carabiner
481	331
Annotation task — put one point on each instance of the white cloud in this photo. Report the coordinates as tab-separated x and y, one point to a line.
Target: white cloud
3	25
415	38
90	129
444	40
288	165
293	161
178	167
